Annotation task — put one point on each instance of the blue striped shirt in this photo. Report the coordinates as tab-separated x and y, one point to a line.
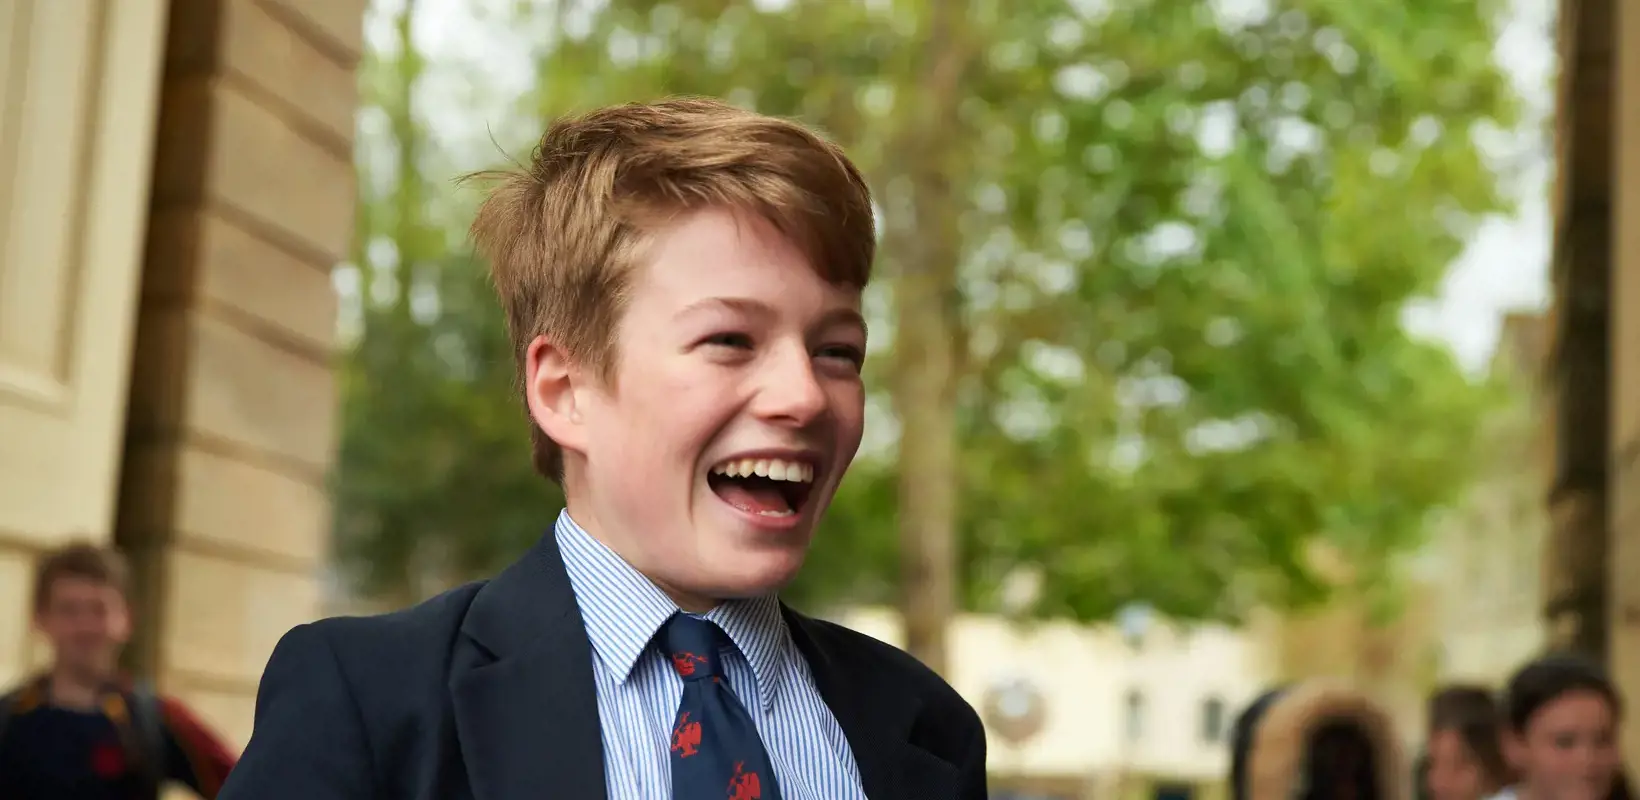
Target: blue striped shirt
638	692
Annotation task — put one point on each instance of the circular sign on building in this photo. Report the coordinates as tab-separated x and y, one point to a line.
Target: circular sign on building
1015	709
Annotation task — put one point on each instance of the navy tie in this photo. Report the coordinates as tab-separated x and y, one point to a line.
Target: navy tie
716	753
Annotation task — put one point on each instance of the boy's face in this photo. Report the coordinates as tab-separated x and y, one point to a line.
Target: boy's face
86	622
736	407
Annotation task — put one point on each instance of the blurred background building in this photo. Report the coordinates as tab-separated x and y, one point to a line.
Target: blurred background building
1591	598
1484	565
1121	710
175	186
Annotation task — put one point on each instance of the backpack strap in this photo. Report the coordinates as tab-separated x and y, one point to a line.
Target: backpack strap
148	722
146	729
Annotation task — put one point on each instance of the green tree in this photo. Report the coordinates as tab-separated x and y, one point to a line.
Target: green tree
433	483
1142	275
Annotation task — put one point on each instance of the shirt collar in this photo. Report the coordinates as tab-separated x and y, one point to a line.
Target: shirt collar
622	611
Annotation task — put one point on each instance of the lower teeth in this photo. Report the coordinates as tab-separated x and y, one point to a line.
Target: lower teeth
788	512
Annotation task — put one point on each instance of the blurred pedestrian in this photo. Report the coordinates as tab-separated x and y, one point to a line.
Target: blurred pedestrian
1315	741
82	730
1464	759
1561	718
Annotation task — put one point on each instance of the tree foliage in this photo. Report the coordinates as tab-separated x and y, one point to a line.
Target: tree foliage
1162	254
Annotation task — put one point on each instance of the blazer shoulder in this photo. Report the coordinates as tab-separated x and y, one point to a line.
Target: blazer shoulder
347	704
389	642
946	726
872	656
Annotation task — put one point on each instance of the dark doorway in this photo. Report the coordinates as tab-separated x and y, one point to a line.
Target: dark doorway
1174	791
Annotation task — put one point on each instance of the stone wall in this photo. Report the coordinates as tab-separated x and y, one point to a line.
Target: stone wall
232	413
1577	550
1591	561
78	102
1623	468
1487	570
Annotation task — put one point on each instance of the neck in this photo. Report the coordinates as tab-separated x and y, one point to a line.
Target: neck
72	689
688	602
586	521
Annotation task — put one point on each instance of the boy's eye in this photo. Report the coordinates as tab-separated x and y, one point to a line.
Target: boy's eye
844	352
854	356
739	341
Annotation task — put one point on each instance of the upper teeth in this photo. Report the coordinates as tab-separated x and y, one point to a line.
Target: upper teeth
772	468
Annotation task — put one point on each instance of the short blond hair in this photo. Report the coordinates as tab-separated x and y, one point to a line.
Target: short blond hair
562	233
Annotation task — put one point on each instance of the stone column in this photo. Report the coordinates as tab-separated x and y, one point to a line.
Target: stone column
1577	553
232	416
1624	464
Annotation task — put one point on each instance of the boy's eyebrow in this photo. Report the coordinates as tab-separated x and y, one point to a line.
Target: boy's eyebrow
758	308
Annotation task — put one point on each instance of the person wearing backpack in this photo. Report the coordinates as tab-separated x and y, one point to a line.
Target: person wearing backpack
82	730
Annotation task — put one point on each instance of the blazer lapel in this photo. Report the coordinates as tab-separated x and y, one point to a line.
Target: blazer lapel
522	686
876	716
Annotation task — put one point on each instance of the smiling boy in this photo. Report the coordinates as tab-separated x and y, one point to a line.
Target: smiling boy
681	282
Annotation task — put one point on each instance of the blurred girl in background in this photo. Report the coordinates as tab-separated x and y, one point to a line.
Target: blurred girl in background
1561	715
1464	760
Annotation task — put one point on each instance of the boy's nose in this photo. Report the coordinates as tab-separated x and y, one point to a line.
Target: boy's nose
791	393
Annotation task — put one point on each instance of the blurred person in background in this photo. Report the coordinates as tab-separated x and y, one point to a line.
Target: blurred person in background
1315	741
1561	736
1465	759
83	730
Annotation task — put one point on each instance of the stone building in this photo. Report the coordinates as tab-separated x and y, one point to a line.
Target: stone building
175	186
1484	565
1083	711
1592	602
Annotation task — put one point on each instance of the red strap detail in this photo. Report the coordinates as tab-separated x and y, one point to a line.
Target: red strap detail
207	755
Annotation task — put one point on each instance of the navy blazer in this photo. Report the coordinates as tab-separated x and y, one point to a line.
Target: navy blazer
486	693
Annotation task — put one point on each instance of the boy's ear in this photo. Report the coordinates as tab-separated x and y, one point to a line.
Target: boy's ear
551	384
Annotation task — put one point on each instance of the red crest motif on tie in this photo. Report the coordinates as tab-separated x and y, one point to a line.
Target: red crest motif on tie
686	663
685	737
744	785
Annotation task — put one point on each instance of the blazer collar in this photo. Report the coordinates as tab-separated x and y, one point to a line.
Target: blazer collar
527	715
522	686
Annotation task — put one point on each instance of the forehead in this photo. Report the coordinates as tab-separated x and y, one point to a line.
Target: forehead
1574	709
1447	746
718	253
79	588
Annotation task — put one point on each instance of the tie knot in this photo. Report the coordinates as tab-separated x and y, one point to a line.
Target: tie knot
692	645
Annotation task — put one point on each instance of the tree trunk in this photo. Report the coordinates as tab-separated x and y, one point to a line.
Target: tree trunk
928	469
928	335
407	194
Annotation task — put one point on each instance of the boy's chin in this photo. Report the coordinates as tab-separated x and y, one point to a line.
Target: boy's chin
754	574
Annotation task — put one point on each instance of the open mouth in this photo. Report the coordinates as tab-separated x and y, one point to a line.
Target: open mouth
767	487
